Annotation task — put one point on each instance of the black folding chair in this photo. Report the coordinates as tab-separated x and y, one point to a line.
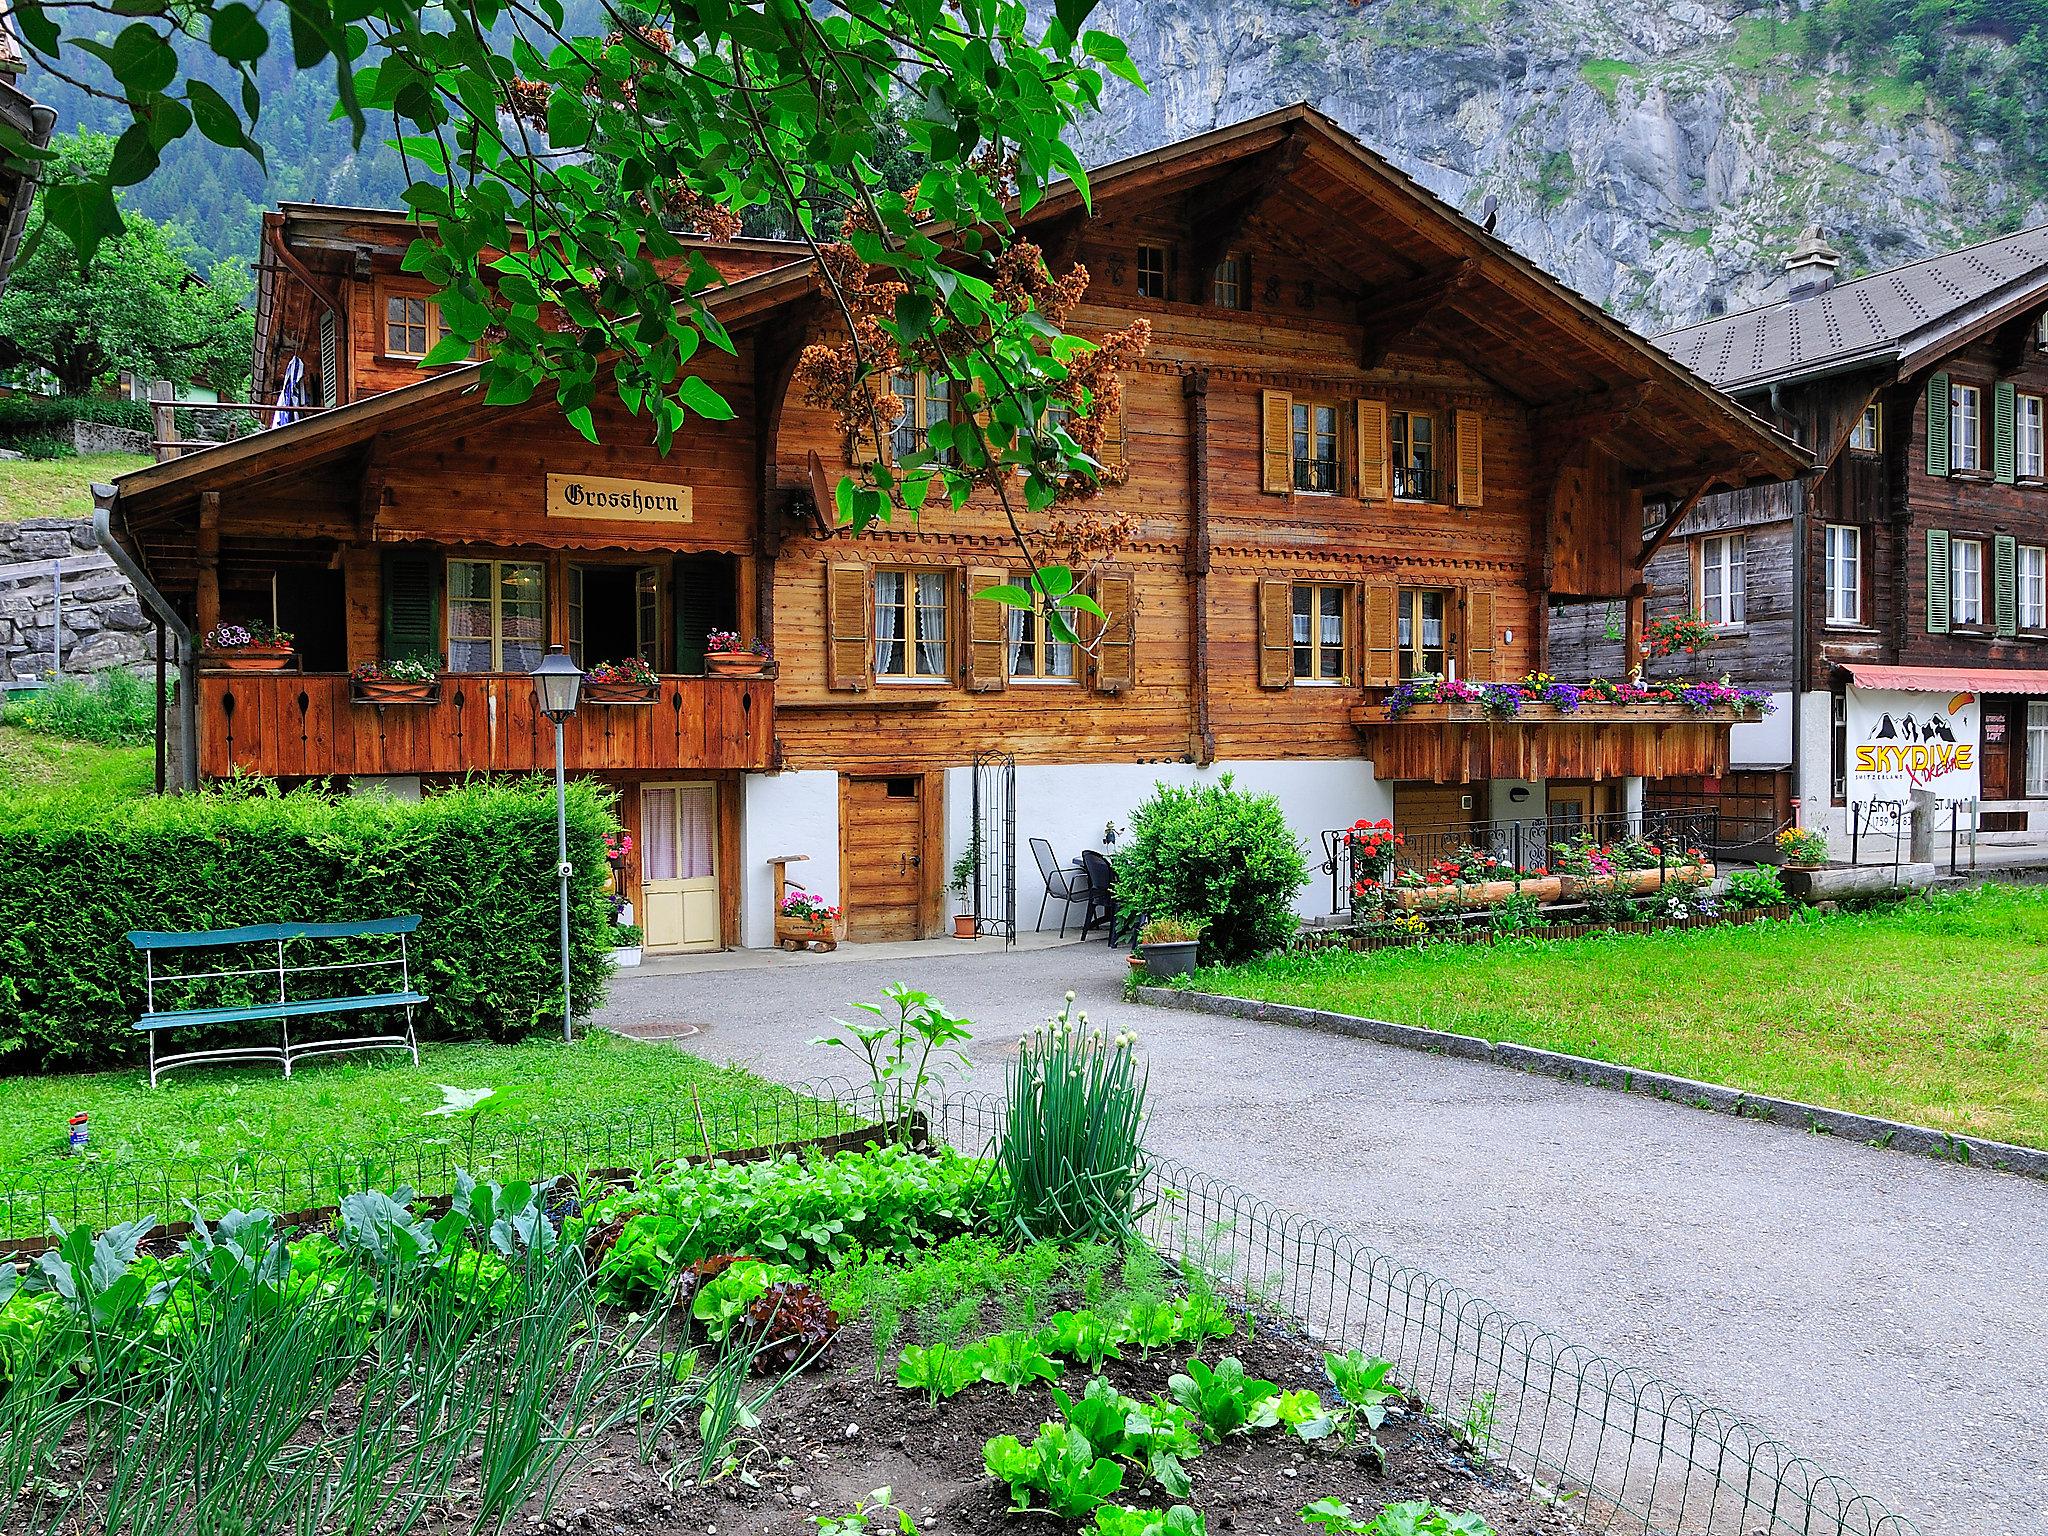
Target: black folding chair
1069	885
1101	893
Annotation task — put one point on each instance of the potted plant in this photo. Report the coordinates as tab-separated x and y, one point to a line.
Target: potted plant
726	655
1802	847
626	944
1168	945
965	868
251	647
805	921
405	680
631	681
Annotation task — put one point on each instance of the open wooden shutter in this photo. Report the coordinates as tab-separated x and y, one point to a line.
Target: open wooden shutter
1937	429
846	626
412	605
2005	605
1372	450
1116	648
1276	417
1471	487
1478	635
330	360
988	633
1276	634
2003	460
1382	634
1110	451
861	447
1937	581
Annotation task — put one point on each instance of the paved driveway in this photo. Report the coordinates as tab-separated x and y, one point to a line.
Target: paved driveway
1881	1313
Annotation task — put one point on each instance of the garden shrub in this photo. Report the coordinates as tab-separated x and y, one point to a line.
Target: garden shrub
114	709
1218	855
27	419
1752	888
477	863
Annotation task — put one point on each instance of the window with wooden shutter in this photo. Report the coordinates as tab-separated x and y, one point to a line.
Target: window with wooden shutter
2004	460
1382	634
1276	634
412	606
1471	487
1479	632
1110	451
1937	431
1276	417
846	626
988	633
1937	573
1116	643
2005	584
1372	450
330	360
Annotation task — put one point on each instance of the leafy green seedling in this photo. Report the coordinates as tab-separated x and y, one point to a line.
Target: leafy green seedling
1086	1337
1363	1382
1014	1360
1225	1401
1059	1471
940	1370
1116	1520
878	1511
1418	1518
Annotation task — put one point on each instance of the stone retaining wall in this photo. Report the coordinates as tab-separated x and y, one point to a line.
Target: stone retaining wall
104	622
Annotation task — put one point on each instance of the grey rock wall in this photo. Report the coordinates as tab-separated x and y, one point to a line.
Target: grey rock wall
100	622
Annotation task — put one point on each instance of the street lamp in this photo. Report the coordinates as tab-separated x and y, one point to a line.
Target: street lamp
556	683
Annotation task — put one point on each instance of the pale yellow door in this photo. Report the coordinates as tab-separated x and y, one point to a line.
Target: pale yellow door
679	865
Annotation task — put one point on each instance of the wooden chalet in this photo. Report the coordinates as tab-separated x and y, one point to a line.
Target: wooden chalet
1368	442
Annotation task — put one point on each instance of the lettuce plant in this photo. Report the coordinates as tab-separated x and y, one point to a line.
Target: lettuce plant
1223	1400
938	1370
1014	1360
1059	1471
1416	1518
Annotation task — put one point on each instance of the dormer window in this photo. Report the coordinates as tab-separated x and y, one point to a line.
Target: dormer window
1151	271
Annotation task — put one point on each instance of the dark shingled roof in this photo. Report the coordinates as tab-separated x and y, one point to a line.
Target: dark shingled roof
1885	317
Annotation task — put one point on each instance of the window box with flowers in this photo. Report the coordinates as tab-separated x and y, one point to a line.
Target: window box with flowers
631	681
245	648
805	921
726	655
406	680
1540	699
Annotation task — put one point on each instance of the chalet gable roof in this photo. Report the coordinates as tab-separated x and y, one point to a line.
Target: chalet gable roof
1898	319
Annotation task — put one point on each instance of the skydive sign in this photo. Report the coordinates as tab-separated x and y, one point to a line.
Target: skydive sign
1902	742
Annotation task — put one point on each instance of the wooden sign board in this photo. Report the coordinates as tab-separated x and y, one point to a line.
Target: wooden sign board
618	501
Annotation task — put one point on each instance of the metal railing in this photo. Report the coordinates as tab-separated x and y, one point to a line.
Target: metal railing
1525	843
1634	1453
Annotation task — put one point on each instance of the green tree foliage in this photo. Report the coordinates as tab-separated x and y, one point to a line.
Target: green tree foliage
476	863
606	142
1220	855
140	306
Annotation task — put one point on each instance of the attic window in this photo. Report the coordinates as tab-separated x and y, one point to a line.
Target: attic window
1151	271
1868	437
1230	289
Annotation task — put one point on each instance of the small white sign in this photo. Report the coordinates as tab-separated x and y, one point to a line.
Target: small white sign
1900	743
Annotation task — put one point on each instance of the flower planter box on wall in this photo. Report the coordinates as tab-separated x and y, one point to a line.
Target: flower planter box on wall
738	664
390	691
1470	712
246	659
620	693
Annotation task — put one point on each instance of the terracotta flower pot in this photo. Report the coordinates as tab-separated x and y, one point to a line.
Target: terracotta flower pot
963	925
619	692
247	658
385	690
735	664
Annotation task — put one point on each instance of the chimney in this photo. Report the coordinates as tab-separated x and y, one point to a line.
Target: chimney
1811	267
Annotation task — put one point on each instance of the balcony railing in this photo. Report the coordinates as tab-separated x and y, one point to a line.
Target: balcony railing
217	422
299	725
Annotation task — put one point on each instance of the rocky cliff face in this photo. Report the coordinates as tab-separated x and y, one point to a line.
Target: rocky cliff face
1661	156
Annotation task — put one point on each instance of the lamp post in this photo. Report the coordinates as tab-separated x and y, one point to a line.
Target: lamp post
556	684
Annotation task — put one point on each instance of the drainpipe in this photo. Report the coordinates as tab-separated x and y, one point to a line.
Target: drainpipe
106	499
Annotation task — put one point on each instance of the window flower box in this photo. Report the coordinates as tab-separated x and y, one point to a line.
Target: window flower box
725	655
1543	700
405	681
245	648
631	681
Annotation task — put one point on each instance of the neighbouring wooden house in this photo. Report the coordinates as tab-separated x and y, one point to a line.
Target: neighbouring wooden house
1910	574
1368	442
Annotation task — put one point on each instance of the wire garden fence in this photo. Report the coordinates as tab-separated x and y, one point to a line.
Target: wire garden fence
1622	1450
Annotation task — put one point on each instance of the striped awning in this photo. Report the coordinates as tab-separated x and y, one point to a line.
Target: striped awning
1950	679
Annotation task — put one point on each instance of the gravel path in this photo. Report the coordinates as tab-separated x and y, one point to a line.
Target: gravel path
1881	1313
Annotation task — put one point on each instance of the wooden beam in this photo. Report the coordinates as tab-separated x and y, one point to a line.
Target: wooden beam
208	598
1217	214
1601	409
1391	315
1730	472
1678	514
1194	388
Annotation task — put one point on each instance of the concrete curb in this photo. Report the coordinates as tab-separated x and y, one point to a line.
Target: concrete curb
1895	1135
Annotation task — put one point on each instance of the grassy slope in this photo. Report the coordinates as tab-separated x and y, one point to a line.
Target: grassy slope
1931	1012
200	1120
59	487
30	763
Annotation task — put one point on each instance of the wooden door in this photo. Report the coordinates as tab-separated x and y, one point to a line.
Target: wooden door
883	839
679	866
1571	810
1998	750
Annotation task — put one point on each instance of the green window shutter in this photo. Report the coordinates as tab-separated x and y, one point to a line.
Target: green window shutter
706	599
2004	583
2002	455
1937	427
1937	581
412	605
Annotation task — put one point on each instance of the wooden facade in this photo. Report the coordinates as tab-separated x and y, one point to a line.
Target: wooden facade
1354	296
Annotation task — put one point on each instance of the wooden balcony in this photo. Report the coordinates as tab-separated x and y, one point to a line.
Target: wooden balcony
1458	743
293	725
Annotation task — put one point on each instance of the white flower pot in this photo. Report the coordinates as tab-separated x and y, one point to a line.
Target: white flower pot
622	958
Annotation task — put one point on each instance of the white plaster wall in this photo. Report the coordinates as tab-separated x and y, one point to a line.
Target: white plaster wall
1766	743
1071	805
785	813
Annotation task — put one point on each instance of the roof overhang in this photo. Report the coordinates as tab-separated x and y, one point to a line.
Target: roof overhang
34	122
1949	679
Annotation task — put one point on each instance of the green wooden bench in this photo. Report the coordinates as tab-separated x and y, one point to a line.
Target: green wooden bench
294	987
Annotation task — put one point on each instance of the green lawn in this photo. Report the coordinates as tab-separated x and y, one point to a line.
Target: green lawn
1932	1011
59	487
32	763
598	1102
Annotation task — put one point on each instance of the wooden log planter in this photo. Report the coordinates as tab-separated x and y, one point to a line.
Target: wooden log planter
1365	943
1487	893
1635	882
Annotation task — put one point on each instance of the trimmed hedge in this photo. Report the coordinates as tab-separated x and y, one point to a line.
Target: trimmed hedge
477	863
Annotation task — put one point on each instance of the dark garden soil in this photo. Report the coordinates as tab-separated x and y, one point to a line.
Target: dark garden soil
836	1433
